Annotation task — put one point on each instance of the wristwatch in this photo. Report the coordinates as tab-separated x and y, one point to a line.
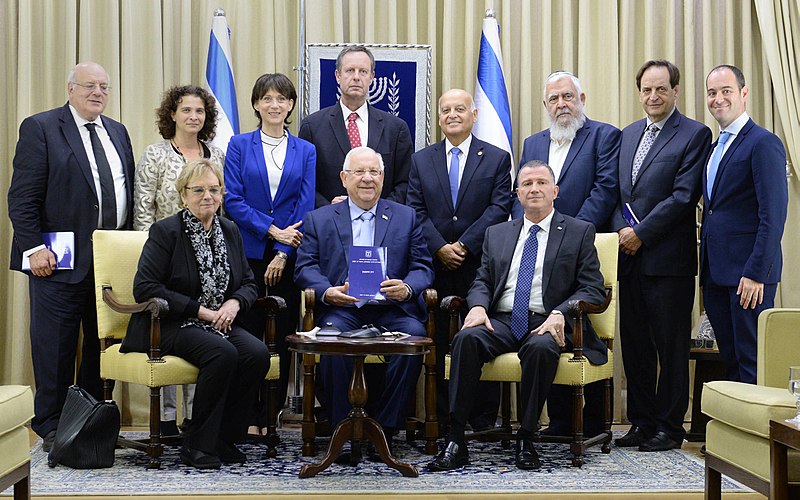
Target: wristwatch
556	311
282	255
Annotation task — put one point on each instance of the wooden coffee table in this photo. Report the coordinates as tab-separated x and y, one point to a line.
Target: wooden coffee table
782	436
357	425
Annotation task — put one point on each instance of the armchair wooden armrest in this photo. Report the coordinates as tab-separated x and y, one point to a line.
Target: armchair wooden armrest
576	310
453	305
157	306
273	305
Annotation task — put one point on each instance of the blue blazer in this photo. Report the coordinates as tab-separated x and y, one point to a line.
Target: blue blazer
665	195
53	188
388	135
484	194
323	257
588	181
248	201
743	221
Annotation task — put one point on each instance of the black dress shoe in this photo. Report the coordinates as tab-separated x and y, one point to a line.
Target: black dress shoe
660	442
634	437
47	441
452	457
199	459
526	457
230	454
168	428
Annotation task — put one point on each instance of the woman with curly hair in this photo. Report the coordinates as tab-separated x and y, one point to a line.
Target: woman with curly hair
186	119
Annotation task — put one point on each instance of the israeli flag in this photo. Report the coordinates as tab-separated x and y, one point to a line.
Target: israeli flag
219	80
491	97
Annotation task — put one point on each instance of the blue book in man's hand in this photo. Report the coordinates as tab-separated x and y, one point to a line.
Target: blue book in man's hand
367	272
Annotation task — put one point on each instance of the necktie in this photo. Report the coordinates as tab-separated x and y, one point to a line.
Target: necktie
108	193
713	165
352	131
364	230
644	148
454	174
522	292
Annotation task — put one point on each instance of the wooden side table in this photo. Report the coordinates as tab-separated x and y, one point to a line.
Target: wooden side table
357	425
782	436
708	366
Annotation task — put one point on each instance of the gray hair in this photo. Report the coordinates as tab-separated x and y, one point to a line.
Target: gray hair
361	149
558	75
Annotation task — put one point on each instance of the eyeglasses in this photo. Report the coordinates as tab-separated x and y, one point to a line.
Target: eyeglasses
360	173
215	191
104	87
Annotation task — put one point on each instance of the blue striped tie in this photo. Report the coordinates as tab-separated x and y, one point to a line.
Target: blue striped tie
522	293
454	174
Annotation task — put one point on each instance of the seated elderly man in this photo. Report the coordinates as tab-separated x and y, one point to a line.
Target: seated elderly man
531	268
323	264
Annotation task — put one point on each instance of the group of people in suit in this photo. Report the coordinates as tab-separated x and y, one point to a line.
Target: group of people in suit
443	215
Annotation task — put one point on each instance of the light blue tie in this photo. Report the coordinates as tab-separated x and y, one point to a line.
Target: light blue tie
364	230
715	159
522	292
454	174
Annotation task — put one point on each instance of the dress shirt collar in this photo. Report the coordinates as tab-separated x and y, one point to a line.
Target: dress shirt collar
544	225
660	124
463	147
362	112
81	121
736	126
356	211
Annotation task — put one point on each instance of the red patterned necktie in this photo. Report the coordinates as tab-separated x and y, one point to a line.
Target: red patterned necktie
352	131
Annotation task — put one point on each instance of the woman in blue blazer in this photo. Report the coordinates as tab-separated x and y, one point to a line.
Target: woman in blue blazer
270	177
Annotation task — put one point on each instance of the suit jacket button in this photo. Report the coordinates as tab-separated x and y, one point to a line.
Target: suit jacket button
710	212
270	212
455	218
96	207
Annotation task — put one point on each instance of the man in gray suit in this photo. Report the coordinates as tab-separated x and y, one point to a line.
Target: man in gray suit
661	160
530	269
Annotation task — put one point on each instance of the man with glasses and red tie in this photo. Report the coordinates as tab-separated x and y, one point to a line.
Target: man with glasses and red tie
73	171
531	268
353	122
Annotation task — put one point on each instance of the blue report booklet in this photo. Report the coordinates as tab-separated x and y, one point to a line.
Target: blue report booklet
367	271
62	244
627	213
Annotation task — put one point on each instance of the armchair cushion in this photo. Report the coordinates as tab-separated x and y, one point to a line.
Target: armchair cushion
747	407
16	410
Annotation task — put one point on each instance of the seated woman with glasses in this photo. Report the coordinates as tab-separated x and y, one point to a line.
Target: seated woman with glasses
186	121
195	260
270	176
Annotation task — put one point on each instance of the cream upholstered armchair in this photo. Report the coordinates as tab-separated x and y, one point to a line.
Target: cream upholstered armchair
737	437
116	258
16	410
573	368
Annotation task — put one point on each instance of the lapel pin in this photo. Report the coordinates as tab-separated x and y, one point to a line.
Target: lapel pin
558	227
384	217
480	153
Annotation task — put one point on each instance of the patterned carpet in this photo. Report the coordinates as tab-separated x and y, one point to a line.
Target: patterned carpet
492	471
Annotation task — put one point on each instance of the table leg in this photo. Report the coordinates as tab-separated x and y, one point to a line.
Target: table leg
374	432
343	432
778	471
308	426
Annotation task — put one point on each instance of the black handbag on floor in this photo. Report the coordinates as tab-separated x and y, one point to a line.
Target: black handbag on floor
87	432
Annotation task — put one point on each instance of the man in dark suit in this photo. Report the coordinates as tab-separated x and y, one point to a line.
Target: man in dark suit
454	207
323	264
745	197
661	160
531	268
583	154
73	171
352	122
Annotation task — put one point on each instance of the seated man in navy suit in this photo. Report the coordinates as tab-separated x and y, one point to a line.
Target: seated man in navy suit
323	264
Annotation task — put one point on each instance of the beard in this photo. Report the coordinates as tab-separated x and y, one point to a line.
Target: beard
567	131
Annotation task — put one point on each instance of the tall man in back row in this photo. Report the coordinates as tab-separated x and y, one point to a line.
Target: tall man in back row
531	268
459	187
73	172
353	122
745	197
583	154
661	160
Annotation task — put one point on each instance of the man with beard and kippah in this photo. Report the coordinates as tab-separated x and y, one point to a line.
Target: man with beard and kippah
583	156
